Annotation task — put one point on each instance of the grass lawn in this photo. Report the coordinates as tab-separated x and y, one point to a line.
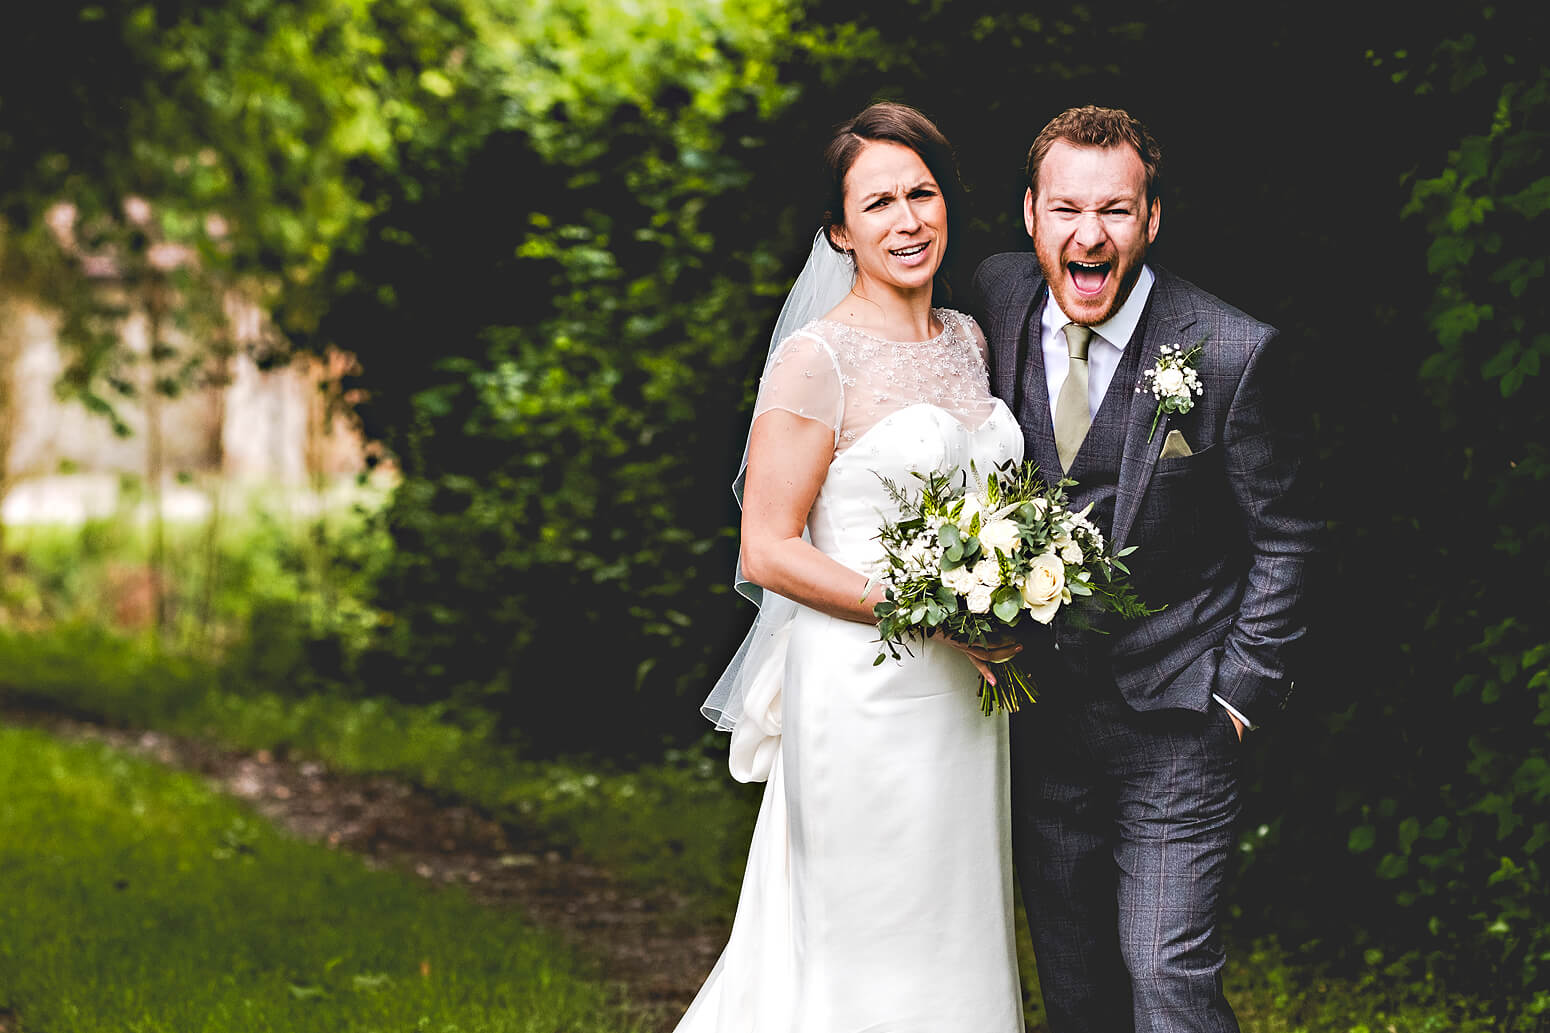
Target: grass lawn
136	899
245	930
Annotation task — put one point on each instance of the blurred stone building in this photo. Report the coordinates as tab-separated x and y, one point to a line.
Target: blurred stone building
263	428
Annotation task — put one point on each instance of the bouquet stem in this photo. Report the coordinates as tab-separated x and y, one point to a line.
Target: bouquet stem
1004	694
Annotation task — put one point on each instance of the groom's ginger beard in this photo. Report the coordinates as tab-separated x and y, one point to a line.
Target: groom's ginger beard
1091	227
1079	288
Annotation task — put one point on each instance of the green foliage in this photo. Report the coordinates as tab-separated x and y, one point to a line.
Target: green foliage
202	150
140	900
556	234
281	600
592	335
674	824
1473	861
1277	990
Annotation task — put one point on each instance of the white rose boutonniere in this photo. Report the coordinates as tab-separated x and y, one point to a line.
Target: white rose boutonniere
1174	382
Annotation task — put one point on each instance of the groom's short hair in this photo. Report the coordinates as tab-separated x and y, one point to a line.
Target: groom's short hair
1092	126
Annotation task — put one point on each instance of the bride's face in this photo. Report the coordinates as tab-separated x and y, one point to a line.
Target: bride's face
895	218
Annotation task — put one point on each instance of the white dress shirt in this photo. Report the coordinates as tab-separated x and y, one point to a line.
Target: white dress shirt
1104	351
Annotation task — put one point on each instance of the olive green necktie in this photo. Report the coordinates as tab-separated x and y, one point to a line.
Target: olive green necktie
1072	416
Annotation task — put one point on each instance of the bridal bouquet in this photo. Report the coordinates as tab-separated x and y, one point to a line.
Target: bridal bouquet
970	562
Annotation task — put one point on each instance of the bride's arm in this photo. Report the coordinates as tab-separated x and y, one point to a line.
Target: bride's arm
788	458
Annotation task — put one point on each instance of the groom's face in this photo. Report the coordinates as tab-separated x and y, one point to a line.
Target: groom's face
1091	226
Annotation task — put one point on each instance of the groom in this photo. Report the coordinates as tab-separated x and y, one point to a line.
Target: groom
1125	775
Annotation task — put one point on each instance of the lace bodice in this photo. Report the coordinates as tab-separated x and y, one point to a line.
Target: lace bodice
850	380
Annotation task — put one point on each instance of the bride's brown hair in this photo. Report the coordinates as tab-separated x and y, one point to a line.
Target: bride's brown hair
900	124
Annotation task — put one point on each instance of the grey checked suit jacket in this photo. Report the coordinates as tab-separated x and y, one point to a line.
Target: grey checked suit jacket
1223	537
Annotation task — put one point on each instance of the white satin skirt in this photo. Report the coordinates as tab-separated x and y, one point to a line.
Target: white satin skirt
878	892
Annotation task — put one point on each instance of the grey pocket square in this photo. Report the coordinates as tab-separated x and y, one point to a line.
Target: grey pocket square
1175	447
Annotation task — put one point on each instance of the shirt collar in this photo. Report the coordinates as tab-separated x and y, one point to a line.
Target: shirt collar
1119	327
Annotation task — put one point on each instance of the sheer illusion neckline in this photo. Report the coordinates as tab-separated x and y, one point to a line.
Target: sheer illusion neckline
936	339
969	427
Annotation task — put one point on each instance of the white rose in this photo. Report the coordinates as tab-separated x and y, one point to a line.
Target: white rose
972	507
979	599
999	534
1171	381
1045	587
987	572
1071	552
960	580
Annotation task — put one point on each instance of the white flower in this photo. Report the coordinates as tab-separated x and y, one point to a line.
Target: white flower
1169	382
987	572
999	534
979	599
1174	381
918	557
973	506
960	580
1045	587
1071	552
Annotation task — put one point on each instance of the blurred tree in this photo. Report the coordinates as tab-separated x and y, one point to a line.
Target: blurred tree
237	124
195	151
554	328
1466	844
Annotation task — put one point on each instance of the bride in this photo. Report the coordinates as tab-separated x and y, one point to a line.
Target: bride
878	892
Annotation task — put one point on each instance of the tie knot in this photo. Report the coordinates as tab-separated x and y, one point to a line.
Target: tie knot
1077	337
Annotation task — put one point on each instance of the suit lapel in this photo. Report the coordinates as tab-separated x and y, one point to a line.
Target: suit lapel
1167	323
1011	350
1024	365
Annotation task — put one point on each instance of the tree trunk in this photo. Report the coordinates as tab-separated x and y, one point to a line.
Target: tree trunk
10	351
154	457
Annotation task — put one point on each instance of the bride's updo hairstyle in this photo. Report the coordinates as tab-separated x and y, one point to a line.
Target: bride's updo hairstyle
901	124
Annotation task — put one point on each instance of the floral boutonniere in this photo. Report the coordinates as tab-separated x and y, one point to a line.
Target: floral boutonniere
1174	382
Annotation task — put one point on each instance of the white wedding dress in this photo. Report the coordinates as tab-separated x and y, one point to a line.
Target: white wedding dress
878	892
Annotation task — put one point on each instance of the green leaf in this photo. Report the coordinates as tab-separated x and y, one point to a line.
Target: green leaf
1532	201
1392	866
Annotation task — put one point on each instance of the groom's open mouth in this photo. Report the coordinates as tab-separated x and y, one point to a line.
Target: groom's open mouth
1089	277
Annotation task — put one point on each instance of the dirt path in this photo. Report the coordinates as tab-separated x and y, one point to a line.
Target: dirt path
642	941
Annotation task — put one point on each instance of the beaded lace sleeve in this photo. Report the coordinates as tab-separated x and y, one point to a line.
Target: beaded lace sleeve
804	378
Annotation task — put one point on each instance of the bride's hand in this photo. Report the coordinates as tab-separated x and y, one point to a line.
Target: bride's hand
985	654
